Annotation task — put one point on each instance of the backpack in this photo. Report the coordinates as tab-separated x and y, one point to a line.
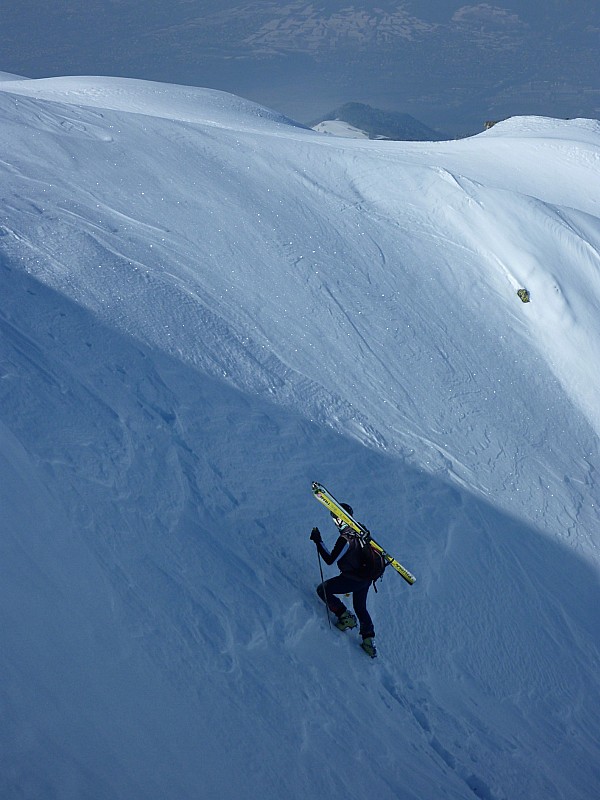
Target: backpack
362	561
373	562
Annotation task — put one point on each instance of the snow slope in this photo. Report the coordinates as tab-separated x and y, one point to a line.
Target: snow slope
203	308
337	127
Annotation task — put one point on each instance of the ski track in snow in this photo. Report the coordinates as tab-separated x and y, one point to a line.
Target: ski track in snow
203	308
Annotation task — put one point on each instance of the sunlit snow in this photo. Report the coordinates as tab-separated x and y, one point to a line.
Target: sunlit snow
203	308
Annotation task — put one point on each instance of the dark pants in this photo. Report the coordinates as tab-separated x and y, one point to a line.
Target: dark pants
359	590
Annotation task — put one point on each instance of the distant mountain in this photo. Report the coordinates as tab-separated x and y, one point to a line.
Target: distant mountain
379	124
451	63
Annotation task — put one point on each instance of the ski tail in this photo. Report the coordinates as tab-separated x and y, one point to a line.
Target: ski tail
408	576
329	501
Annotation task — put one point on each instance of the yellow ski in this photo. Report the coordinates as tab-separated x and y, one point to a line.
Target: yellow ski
329	501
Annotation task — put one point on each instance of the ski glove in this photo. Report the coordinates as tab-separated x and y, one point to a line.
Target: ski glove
315	535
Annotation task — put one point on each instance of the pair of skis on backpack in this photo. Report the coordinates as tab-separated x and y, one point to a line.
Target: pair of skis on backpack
329	501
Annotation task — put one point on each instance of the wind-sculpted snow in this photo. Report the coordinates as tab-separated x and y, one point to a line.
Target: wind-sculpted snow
203	308
181	103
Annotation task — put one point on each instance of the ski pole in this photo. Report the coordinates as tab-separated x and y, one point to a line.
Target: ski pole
324	590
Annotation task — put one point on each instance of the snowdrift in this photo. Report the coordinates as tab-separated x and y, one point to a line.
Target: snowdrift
203	308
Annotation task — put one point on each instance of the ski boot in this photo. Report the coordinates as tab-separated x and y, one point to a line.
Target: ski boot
368	645
346	620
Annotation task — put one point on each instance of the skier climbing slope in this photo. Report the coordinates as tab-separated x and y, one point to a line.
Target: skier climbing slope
358	568
361	562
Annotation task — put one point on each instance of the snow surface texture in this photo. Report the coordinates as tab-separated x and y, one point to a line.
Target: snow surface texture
203	308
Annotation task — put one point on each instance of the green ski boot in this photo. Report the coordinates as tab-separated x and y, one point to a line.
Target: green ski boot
368	645
345	621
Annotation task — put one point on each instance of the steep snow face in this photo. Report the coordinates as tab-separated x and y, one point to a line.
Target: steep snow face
204	307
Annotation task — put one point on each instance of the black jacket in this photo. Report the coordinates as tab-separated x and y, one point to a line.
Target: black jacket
352	563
